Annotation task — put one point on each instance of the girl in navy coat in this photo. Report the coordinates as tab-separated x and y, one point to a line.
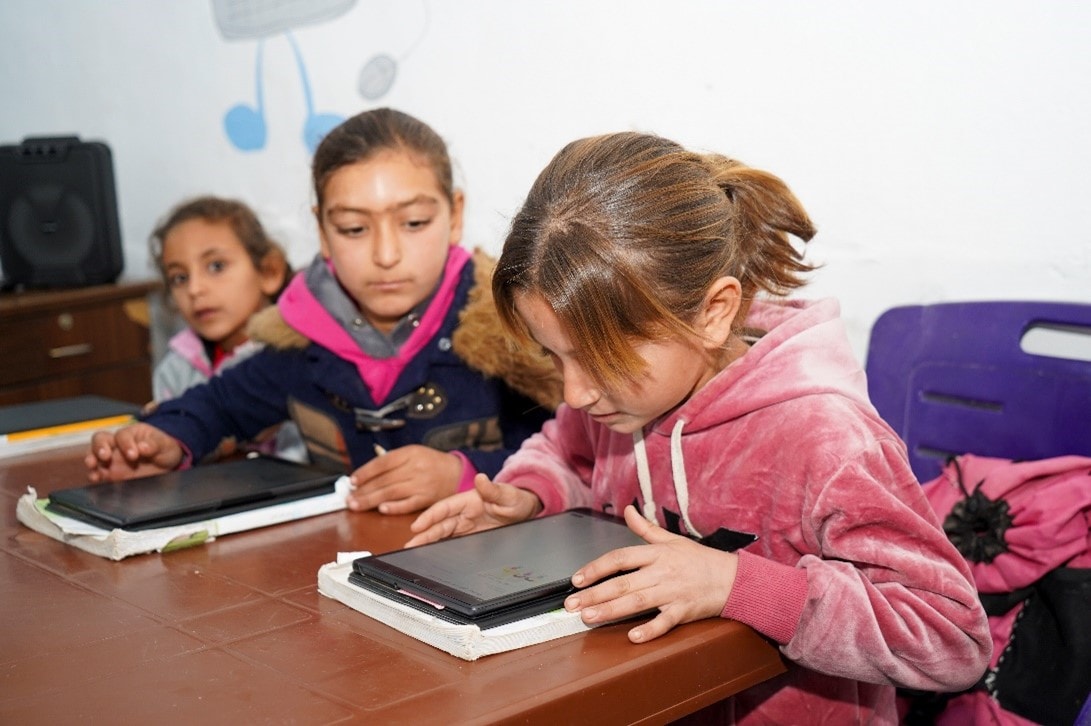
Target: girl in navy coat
388	343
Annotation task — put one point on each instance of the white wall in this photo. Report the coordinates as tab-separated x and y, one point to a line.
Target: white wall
942	147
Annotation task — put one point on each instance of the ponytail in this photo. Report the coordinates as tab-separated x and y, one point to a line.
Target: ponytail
765	213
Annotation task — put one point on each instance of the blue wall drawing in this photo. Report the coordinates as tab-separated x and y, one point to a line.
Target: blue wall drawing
244	124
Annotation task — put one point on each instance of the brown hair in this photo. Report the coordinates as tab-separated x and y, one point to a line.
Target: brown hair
623	235
382	129
242	220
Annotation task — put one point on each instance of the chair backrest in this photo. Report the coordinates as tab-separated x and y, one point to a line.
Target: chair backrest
954	378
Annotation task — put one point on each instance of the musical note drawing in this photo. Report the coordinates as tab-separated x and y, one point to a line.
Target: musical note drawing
259	20
245	124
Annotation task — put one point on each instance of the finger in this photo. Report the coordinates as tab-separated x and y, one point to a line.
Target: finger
374	495
149	444
102	445
438	531
127	445
358	503
403	506
441	510
375	468
496	493
657	626
504	502
636	587
490	491
356	476
649	531
610	601
613	562
373	490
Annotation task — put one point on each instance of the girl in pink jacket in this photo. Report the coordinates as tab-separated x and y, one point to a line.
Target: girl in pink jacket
730	427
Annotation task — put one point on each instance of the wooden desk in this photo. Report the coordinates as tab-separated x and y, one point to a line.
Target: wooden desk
236	632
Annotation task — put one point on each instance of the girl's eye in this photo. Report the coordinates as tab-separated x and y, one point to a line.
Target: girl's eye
177	280
553	357
414	224
351	231
217	266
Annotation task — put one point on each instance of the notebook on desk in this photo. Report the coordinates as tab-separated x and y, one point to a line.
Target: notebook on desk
496	576
192	495
41	416
30	427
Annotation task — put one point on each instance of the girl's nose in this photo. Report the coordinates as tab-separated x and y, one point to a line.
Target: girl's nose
579	390
387	249
195	285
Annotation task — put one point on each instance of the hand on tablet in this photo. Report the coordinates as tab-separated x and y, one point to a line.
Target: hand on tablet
404	480
490	504
131	452
684	580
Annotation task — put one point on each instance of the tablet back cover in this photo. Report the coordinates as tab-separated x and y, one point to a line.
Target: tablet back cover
203	492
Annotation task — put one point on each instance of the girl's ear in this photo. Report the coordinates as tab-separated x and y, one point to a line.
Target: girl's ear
720	309
456	217
272	271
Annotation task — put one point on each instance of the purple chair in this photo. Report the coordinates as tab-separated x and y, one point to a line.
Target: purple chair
953	378
1084	717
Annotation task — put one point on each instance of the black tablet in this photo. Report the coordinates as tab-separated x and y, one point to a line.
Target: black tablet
499	575
192	495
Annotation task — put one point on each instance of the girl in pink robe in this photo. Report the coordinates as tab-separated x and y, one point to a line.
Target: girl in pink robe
731	428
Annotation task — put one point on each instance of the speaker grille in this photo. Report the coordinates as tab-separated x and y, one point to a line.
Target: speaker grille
58	214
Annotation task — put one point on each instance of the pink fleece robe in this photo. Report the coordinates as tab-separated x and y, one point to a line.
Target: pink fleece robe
851	574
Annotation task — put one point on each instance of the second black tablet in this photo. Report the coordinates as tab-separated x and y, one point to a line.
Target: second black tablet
203	492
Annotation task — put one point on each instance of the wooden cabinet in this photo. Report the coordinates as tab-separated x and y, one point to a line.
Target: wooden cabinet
60	343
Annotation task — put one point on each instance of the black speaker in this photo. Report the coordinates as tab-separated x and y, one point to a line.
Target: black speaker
58	214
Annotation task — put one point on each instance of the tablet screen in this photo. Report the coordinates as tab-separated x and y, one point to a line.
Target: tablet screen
502	565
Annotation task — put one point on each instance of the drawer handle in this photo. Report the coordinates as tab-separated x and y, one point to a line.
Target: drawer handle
70	351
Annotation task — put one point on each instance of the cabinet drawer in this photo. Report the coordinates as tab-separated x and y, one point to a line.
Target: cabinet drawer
130	382
69	340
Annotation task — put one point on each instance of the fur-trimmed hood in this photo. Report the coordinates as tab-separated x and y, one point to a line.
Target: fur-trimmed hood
479	340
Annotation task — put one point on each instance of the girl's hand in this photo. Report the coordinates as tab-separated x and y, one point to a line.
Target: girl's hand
489	505
131	452
405	480
685	580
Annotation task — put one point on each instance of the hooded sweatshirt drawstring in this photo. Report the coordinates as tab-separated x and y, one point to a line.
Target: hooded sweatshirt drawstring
643	476
678	471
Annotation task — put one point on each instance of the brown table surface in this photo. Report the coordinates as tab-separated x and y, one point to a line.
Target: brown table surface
235	632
